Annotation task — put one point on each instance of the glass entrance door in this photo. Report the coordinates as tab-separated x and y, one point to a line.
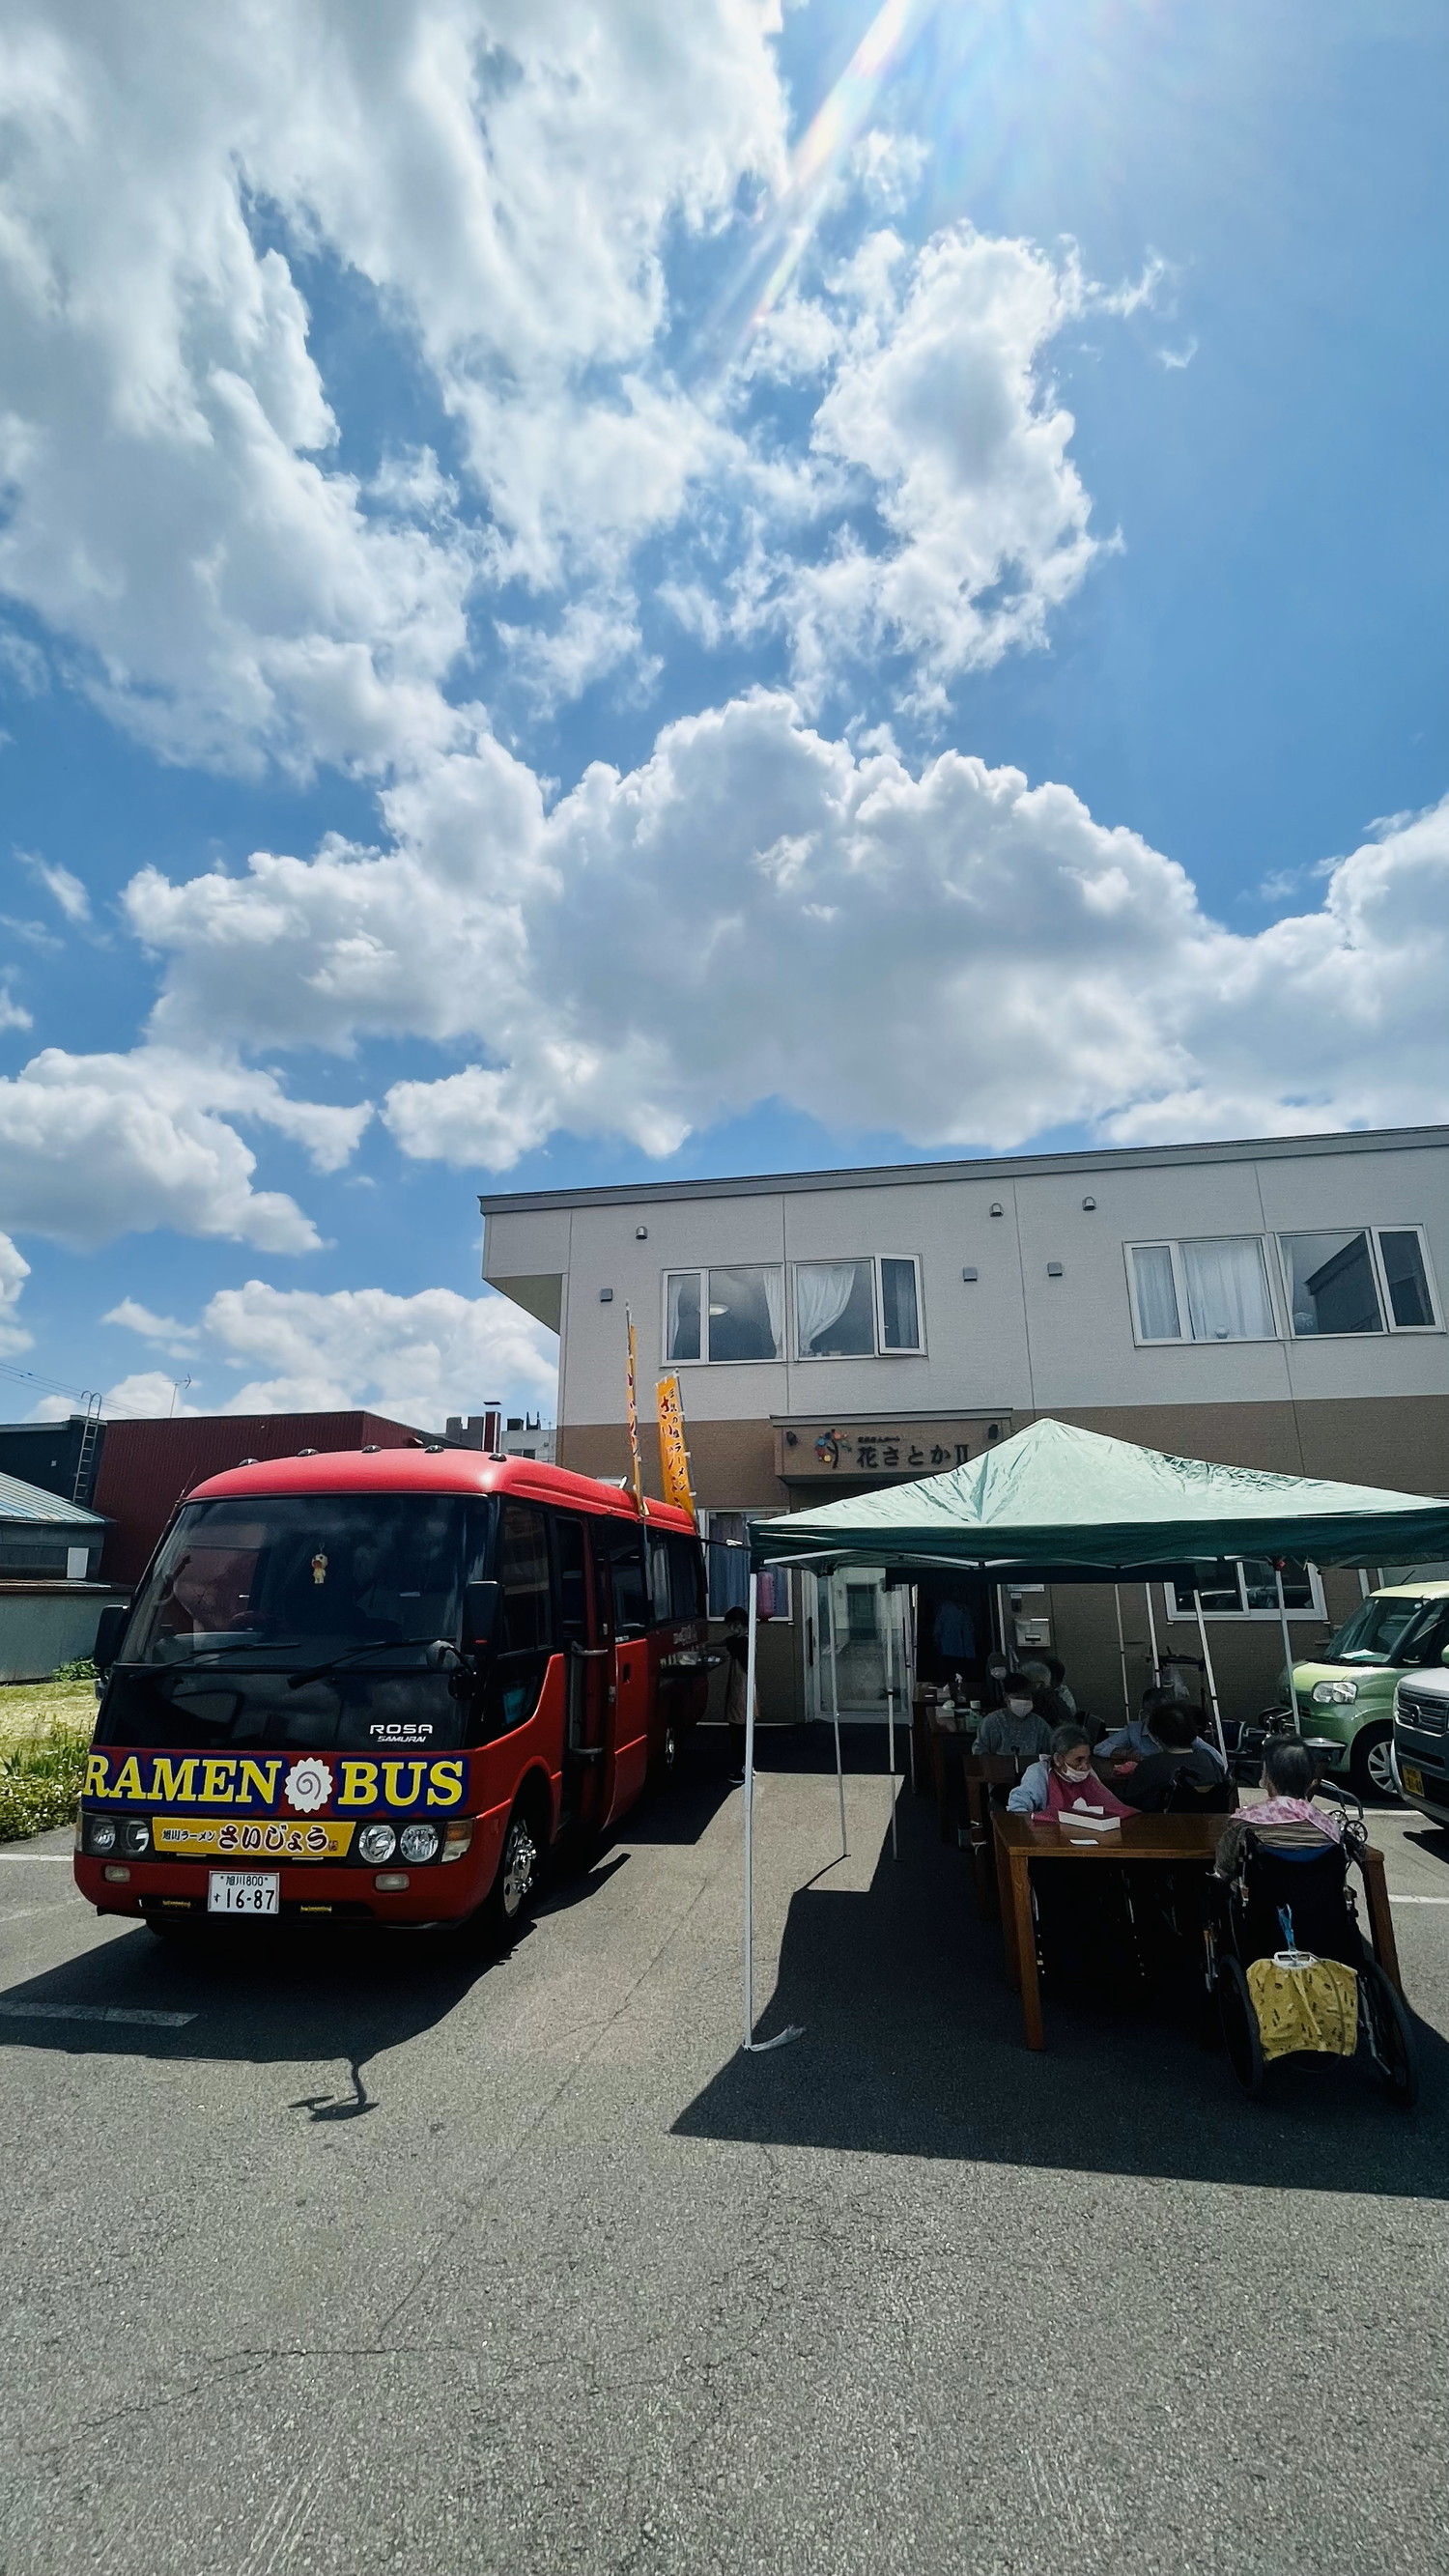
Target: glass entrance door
854	1607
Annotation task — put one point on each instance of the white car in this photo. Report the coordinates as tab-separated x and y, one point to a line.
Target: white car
1421	1741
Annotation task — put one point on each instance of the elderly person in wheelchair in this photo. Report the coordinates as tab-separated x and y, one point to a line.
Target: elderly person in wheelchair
1286	1961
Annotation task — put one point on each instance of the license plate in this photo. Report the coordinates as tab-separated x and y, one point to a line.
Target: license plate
1413	1778
243	1891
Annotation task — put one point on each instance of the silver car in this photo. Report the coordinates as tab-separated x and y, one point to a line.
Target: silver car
1421	1741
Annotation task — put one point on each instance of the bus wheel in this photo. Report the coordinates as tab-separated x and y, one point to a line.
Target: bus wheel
516	1883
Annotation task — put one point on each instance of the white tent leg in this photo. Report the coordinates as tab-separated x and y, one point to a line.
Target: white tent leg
890	1621
1152	1632
1211	1678
1287	1643
1122	1655
835	1721
754	2047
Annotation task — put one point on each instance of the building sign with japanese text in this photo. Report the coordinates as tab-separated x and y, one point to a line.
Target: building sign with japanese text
811	1452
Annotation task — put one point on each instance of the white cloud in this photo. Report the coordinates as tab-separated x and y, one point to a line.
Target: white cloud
13	1014
939	416
760	911
419	1358
96	1146
177	1340
504	176
146	1393
66	889
14	1271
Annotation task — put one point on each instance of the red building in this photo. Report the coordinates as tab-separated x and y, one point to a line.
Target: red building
146	1467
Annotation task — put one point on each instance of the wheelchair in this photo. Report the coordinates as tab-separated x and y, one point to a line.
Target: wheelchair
1285	1899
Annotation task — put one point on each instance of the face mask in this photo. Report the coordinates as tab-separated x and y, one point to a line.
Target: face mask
1019	1707
1085	1772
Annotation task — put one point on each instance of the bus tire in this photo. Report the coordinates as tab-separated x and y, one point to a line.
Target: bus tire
509	1900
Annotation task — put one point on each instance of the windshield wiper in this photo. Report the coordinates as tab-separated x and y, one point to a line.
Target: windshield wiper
243	1646
371	1646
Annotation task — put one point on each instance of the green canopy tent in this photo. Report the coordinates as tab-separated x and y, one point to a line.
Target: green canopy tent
1075	1506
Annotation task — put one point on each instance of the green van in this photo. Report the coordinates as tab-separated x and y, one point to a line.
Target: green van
1347	1692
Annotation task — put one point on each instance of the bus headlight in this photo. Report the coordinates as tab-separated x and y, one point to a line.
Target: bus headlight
100	1833
418	1842
457	1835
135	1837
1334	1694
375	1843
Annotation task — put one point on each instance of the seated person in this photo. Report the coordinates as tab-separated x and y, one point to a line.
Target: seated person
1287	1818
1046	1698
1015	1727
1180	1754
993	1683
1064	1779
1137	1740
1057	1683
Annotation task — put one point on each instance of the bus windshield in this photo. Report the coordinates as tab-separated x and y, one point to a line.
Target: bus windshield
1391	1628
303	1577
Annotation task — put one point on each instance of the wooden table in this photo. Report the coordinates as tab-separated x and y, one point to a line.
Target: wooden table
1019	1842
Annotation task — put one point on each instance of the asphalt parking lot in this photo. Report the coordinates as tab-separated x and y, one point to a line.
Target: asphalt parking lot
365	2258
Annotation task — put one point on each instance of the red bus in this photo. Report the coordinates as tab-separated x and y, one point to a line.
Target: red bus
377	1687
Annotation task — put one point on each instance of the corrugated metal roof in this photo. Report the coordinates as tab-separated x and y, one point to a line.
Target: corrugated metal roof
20	1502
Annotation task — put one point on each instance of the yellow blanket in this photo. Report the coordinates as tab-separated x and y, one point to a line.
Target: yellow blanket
1312	2006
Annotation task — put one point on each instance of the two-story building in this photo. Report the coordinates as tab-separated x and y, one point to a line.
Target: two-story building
1277	1303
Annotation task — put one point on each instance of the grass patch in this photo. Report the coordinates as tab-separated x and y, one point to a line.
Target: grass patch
45	1728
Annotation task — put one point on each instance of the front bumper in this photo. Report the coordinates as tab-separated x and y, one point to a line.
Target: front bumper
311	1892
1431	1761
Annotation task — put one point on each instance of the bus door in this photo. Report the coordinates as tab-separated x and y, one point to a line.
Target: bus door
621	1587
585	1637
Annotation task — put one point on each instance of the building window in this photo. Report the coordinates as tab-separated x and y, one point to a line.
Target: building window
1250	1591
727	1566
857	1309
715	1315
1373	1280
1214	1289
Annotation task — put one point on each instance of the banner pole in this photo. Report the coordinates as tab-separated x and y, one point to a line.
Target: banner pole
1122	1655
632	1409
1152	1633
754	1597
1287	1644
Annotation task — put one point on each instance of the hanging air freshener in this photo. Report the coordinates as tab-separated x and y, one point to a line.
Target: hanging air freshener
319	1569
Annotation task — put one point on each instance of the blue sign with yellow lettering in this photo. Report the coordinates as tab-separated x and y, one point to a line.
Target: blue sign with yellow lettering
279	1784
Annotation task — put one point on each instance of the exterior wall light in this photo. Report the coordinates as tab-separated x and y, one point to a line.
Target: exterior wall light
968	1274
1089	1203
606	1296
1054	1270
641	1233
995	1207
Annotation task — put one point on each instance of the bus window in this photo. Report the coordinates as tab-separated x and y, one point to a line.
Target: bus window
686	1578
573	1582
524	1635
659	1582
624	1542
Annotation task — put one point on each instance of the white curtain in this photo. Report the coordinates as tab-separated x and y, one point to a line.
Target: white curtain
823	1290
1157	1318
773	1283
1227	1291
681	1318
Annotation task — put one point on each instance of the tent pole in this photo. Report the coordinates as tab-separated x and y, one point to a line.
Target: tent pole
1152	1632
754	2047
835	1718
1122	1654
1207	1664
1287	1644
890	1621
754	1597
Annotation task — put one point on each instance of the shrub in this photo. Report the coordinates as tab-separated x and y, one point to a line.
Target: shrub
82	1670
40	1783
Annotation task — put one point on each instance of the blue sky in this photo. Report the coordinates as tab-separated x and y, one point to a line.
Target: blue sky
987	690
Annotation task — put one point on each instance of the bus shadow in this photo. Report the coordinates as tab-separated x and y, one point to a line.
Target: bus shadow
912	2045
283	1996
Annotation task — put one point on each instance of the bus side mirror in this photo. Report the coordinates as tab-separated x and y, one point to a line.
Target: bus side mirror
480	1614
110	1629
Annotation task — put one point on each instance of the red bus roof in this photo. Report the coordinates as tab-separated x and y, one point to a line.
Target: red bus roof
431	1471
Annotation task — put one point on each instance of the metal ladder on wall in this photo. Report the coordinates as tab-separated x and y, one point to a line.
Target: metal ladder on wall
90	1441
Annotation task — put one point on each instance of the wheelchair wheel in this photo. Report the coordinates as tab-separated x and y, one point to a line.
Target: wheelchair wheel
1391	2044
1240	2026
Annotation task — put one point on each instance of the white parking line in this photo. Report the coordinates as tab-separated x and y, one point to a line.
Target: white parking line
94	2012
1418	1900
